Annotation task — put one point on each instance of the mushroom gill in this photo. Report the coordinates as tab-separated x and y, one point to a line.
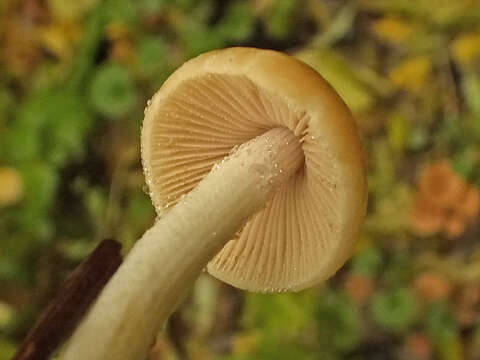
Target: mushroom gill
204	120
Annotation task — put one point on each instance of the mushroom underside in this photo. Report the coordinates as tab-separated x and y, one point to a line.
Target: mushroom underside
200	123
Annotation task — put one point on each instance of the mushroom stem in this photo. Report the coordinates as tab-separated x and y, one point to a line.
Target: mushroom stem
165	262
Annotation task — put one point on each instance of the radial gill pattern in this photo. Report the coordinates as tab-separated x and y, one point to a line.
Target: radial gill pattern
196	127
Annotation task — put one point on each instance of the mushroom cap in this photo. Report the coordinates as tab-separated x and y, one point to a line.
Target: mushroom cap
222	99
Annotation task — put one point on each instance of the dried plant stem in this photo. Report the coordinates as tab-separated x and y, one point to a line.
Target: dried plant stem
164	263
62	315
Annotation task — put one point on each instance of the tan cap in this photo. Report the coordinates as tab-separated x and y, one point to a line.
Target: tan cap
222	99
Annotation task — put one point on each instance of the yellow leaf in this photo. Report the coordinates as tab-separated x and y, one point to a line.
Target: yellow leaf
342	76
411	74
59	38
70	10
398	131
393	30
466	48
245	344
11	186
6	314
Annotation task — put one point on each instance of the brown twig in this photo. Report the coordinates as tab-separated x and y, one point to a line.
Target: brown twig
79	290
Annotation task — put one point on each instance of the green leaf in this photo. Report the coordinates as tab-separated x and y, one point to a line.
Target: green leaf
40	182
442	328
467	162
50	126
200	10
31	117
399	269
440	322
112	91
21	134
471	90
394	310
152	56
12	268
7	349
238	23
279	18
139	209
64	134
76	249
6	105
124	11
198	38
262	312
338	321
95	199
367	262
283	350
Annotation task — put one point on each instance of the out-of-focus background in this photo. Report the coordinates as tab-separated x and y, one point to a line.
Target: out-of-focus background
74	79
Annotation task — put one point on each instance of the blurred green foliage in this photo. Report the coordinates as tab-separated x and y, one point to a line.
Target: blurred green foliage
394	310
74	79
112	91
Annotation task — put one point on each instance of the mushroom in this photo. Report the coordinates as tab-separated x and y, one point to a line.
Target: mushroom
255	167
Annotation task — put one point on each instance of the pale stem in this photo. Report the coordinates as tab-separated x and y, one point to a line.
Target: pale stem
164	263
